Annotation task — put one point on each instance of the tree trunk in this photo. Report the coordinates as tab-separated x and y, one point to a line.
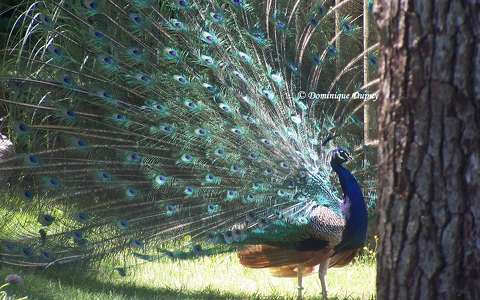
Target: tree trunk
429	153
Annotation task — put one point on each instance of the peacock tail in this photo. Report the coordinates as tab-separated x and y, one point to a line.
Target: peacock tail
180	128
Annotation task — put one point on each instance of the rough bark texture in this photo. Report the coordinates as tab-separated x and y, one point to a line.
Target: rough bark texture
429	176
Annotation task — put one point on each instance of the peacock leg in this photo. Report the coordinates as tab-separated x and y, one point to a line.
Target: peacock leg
322	273
299	278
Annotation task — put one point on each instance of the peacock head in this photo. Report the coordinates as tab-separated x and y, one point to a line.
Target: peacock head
339	156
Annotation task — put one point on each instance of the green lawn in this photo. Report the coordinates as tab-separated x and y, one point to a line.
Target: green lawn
219	277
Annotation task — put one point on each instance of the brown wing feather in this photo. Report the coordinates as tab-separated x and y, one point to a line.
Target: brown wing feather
343	258
265	256
291	271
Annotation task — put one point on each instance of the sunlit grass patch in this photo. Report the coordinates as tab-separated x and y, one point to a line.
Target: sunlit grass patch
225	273
217	277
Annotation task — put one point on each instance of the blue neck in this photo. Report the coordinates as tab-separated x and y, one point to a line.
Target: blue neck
355	232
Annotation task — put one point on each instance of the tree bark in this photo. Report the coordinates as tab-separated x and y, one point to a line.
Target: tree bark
429	152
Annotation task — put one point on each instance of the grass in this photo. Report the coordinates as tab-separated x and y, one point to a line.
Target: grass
218	277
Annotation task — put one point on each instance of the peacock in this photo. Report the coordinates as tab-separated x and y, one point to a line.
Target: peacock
184	128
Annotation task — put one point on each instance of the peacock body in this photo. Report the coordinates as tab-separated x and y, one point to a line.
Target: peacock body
146	128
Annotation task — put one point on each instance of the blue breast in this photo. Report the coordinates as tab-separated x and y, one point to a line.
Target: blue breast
355	232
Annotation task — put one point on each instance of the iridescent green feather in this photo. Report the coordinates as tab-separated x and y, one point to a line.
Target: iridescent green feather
175	124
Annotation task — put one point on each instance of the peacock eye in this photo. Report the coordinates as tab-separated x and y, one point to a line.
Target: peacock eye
197	249
55	50
67	80
81	143
181	79
22	127
27	251
33	159
136	18
108	60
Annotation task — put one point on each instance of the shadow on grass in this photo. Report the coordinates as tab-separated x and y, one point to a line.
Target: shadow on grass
73	284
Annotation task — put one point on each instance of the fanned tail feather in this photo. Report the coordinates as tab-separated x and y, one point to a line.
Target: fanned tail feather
140	125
